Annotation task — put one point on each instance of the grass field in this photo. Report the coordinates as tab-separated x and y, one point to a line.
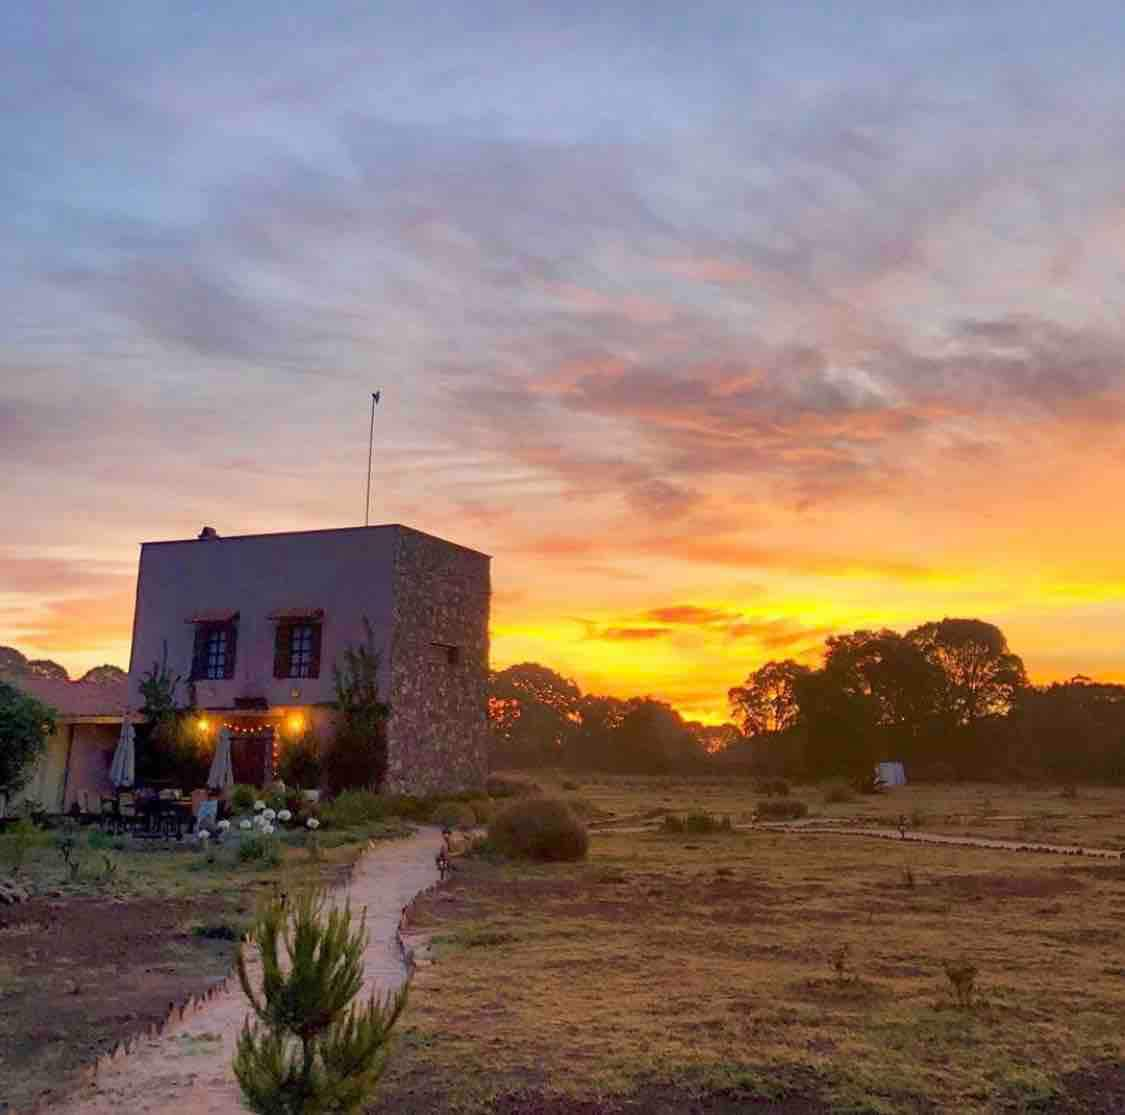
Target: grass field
716	973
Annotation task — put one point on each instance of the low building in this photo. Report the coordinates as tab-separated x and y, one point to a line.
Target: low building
255	624
74	769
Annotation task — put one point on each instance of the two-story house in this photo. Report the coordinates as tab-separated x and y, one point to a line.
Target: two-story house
255	624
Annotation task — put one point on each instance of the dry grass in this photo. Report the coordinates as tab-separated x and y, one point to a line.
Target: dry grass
1096	817
710	959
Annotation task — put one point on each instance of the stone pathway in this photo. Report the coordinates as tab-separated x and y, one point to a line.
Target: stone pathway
187	1068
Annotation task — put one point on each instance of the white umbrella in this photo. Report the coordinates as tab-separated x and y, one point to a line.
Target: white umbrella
221	774
123	770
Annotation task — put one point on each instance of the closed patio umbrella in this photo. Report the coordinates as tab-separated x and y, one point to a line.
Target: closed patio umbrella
123	770
221	774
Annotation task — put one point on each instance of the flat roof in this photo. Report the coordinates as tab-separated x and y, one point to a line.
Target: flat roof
305	533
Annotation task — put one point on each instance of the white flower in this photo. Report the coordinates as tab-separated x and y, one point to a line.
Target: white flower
223	826
259	806
204	834
270	814
267	829
285	815
313	823
244	823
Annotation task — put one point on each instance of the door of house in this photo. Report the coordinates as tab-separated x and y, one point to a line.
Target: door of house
251	756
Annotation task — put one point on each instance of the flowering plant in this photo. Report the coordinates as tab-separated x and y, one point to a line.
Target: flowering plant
270	814
245	824
285	815
313	823
259	806
223	826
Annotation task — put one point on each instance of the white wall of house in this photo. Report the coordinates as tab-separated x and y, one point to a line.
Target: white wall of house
347	573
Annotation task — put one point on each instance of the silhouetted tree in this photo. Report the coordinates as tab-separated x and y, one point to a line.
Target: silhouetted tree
598	719
534	715
652	738
840	724
981	676
767	701
104	675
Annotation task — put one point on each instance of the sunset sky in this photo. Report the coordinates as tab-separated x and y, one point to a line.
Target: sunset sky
720	326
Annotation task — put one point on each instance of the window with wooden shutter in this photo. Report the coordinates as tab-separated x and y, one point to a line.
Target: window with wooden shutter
296	650
281	651
314	666
199	654
232	649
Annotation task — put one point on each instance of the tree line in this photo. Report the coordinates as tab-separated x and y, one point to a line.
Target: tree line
948	698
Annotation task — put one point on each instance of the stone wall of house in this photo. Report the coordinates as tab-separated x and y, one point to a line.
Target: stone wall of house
437	736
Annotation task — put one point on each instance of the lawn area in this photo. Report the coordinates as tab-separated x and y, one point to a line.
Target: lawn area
94	959
713	973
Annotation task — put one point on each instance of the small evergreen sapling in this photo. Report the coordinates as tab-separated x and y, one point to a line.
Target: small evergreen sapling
313	1049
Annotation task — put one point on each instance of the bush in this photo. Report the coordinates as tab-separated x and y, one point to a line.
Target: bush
314	1046
498	787
354	807
772	787
300	762
453	815
697	823
484	808
258	847
783	809
836	793
242	797
19	839
540	829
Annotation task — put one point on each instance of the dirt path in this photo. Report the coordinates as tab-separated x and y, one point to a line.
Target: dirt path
187	1068
814	828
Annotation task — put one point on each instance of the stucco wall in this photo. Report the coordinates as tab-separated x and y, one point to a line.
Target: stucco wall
346	572
90	759
437	733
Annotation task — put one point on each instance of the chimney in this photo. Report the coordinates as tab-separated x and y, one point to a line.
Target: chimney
208	534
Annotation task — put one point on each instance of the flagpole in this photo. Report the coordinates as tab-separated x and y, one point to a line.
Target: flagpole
370	449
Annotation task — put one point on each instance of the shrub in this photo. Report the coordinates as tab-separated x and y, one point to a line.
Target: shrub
258	847
697	823
783	809
312	1047
484	808
583	809
772	787
242	797
498	787
453	815
836	793
18	840
539	828
354	807
300	762
356	759
25	725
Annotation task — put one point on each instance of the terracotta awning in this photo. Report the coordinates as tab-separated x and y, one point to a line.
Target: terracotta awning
216	615
297	613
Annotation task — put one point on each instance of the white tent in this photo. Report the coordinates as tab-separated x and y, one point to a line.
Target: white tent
221	774
893	774
123	770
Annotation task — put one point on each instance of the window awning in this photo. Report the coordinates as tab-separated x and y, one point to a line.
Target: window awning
215	615
290	614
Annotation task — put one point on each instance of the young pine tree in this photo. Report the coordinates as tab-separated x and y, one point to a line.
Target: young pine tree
312	1050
